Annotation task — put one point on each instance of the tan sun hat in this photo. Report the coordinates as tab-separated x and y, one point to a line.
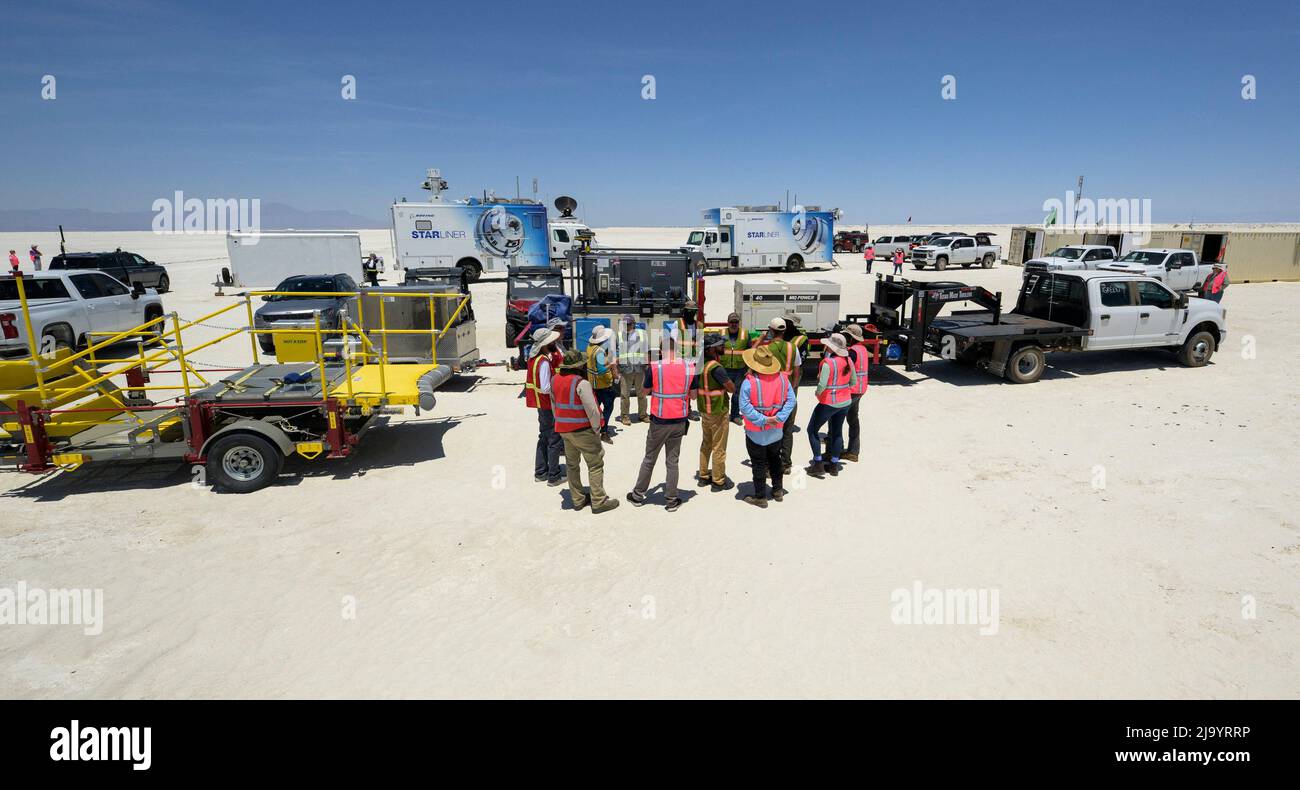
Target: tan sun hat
836	344
543	338
854	331
600	334
761	360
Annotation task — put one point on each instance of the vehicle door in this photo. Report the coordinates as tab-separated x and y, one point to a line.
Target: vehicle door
560	242
963	251
1094	258
98	305
117	265
713	245
147	273
1182	271
1158	319
725	242
884	247
1114	316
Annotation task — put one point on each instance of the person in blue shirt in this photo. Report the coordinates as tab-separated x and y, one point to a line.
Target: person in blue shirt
766	401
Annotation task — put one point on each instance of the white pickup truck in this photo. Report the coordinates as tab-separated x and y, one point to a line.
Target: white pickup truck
966	251
66	306
1178	269
1073	258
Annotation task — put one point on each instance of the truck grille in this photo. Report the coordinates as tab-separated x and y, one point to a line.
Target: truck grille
917	255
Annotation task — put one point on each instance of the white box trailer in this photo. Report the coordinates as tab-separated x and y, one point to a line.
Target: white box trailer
737	238
815	302
269	257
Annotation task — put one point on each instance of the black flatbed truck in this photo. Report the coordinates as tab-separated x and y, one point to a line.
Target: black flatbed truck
905	317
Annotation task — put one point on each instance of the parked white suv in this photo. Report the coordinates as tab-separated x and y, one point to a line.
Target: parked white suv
1075	257
885	245
1178	269
66	306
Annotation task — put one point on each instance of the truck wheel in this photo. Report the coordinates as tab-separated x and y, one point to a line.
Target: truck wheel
1197	350
154	334
988	261
473	269
1026	365
164	284
243	462
60	335
967	265
795	264
941	263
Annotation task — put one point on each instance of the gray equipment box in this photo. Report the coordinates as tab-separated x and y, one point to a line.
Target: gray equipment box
457	348
815	302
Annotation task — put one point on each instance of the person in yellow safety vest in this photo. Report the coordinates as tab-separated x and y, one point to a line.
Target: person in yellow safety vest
735	341
836	381
860	356
715	388
602	372
633	347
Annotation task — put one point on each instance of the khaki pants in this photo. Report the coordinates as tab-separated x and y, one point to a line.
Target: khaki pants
585	445
713	446
629	383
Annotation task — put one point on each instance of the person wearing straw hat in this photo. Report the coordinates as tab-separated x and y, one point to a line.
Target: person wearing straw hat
715	387
633	346
537	395
836	379
767	400
669	382
577	421
860	356
602	372
1215	283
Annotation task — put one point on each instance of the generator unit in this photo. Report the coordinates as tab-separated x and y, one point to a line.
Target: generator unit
457	348
644	282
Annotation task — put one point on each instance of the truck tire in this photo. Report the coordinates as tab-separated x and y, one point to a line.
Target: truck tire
1026	365
968	264
473	269
243	462
941	262
988	261
154	334
794	264
164	284
61	333
1197	349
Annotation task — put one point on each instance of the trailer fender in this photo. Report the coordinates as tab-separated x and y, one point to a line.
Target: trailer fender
274	434
997	364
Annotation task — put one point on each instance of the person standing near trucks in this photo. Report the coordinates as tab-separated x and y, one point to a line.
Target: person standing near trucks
860	356
836	380
789	350
577	421
372	269
735	341
35	254
13	260
715	389
1215	283
869	255
601	372
898	260
633	343
686	335
767	400
537	395
668	382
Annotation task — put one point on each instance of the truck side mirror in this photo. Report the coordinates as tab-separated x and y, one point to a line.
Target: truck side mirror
1181	302
137	289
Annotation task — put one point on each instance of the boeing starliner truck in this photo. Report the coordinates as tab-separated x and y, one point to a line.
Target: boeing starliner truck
737	238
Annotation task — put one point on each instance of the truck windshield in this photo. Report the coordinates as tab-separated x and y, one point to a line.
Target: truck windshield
534	288
1143	257
304	285
697	237
1069	253
35	289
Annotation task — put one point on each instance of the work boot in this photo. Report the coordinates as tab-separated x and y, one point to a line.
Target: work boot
725	485
609	505
557	481
778	494
540	478
756	501
673	504
626	420
850	457
833	468
703	481
643	418
786	469
585	502
817	469
636	499
606	438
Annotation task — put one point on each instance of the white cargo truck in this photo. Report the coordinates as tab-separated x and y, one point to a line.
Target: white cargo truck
270	257
737	238
816	303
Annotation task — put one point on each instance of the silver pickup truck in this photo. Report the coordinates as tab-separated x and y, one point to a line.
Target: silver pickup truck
66	306
1178	269
965	251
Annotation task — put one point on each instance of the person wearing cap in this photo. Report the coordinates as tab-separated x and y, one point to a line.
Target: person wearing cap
869	255
715	387
860	356
735	341
13	259
767	401
35	254
578	421
537	395
633	344
601	372
669	382
836	379
898	260
1215	283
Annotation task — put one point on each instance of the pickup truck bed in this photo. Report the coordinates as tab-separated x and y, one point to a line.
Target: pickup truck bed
979	325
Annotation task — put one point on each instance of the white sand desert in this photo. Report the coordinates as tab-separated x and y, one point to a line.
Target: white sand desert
1179	578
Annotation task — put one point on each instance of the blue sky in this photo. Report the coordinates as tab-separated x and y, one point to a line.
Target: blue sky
837	102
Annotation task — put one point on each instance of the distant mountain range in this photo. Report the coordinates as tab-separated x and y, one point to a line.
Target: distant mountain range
274	216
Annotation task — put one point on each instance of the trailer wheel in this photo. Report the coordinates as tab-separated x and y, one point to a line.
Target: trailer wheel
243	462
1026	365
988	261
794	264
1198	349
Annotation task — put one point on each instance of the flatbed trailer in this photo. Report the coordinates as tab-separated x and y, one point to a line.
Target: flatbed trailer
905	319
72	407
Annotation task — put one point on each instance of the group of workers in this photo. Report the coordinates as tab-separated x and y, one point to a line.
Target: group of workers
738	377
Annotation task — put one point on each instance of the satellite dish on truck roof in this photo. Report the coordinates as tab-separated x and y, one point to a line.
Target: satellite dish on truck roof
566	205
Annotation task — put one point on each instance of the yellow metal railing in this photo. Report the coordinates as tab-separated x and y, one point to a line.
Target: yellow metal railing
59	380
